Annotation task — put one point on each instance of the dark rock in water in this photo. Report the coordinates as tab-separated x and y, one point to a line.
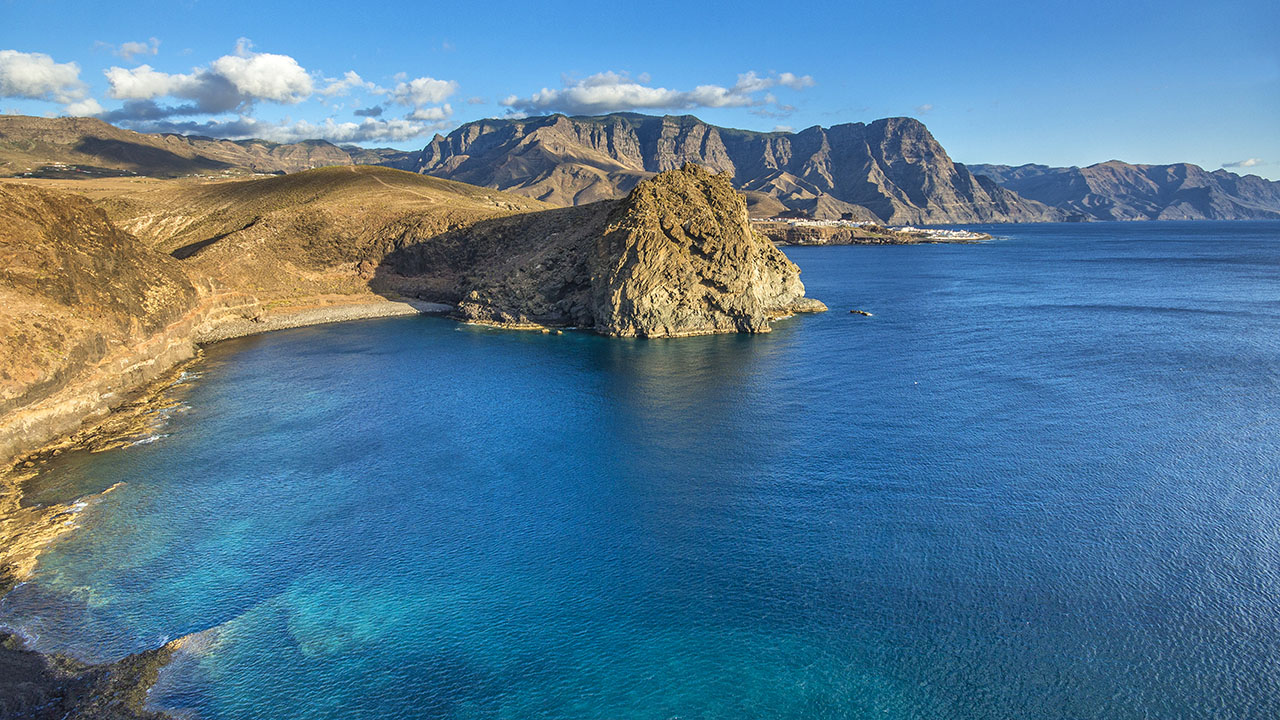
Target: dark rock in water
860	312
55	687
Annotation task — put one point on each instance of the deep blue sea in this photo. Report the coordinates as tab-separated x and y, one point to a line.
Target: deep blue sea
1042	481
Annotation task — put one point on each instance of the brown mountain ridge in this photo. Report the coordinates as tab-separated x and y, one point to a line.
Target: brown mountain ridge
1117	190
891	170
31	145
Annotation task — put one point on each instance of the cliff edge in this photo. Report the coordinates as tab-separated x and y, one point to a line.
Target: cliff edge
676	257
679	257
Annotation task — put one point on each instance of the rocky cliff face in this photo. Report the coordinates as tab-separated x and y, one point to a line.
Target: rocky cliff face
676	257
28	144
891	170
86	311
1120	191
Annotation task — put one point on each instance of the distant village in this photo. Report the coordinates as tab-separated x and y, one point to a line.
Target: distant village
800	219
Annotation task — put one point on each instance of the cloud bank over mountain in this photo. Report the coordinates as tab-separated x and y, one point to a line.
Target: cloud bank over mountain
610	91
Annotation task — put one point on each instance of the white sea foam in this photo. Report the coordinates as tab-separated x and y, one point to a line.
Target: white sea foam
149	439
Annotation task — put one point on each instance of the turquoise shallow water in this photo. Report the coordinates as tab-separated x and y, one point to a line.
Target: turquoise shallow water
1040	482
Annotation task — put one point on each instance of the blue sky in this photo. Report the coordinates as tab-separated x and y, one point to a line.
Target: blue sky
1068	83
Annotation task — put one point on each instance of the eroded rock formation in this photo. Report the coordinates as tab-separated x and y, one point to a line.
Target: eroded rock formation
676	257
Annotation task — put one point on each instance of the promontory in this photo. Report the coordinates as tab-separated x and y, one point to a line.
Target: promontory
108	288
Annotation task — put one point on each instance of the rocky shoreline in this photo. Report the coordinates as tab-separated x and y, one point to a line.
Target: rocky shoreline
65	411
321	315
38	685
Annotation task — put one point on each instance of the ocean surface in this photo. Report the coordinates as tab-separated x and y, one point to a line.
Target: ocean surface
1043	480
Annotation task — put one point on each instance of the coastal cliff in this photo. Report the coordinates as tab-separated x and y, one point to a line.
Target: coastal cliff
676	257
87	313
101	299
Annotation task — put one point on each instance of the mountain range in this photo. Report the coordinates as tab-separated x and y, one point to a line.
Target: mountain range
1120	191
890	171
47	147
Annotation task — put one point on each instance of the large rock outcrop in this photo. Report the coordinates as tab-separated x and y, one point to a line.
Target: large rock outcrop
1117	190
676	257
891	170
679	257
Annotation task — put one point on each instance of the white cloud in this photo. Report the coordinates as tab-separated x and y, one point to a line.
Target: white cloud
83	108
610	92
226	92
265	76
368	130
35	76
795	82
783	128
431	114
232	82
145	82
922	109
1251	162
351	80
750	82
130	50
423	91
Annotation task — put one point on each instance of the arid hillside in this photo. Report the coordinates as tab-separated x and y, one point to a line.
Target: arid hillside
314	233
84	147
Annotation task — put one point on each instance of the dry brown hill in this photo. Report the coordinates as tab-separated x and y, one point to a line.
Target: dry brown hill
88	147
313	233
